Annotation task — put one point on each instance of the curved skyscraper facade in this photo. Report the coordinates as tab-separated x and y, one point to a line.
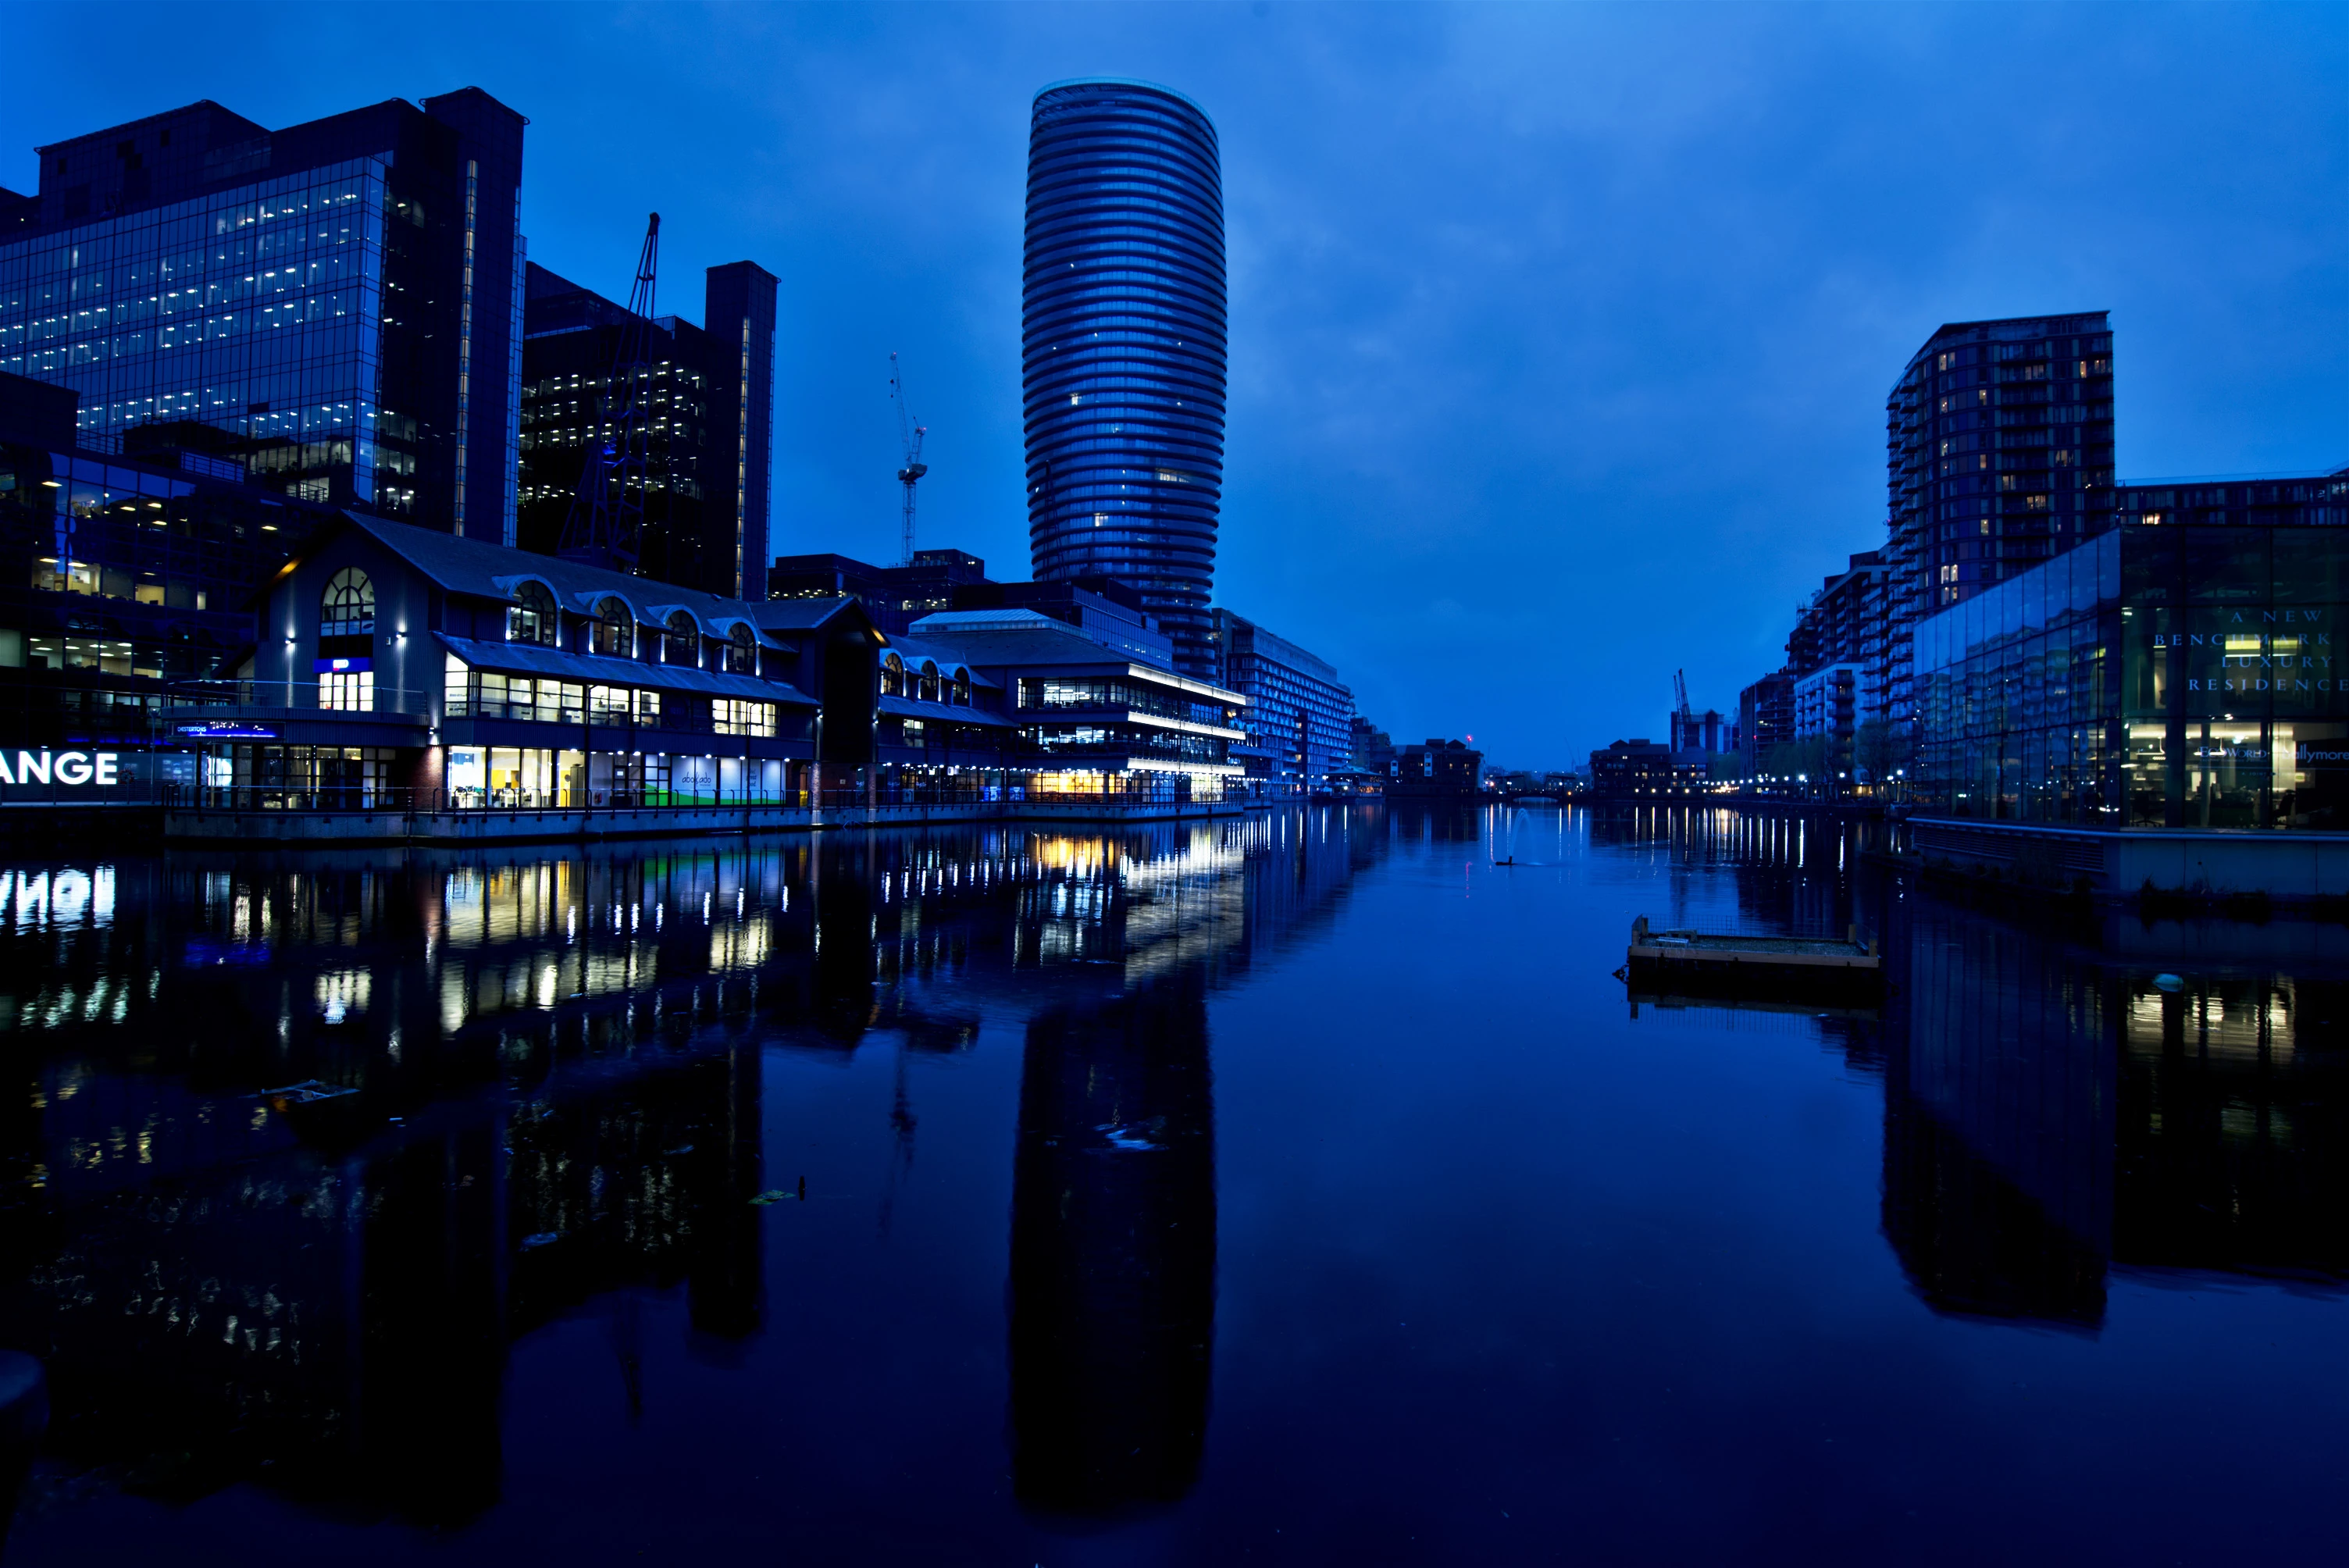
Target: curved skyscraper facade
1123	347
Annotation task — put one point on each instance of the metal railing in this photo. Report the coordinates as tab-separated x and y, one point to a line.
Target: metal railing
401	801
369	798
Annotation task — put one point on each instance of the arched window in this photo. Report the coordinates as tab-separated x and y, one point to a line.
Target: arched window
930	681
962	688
348	605
615	628
684	641
534	618
741	651
892	676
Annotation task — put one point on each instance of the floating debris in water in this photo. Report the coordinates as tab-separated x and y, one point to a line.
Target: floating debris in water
2170	982
543	1238
1134	1136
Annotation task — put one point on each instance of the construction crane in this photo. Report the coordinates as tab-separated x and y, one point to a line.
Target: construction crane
1684	720
607	524
910	431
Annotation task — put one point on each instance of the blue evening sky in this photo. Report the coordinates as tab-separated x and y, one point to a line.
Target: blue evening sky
1560	334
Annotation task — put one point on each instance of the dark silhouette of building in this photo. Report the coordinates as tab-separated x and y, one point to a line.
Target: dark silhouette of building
1631	769
373	297
708	394
1122	351
1437	768
1766	718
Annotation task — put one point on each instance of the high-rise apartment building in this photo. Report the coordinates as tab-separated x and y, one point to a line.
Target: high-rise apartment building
707	395
1123	347
332	310
1995	435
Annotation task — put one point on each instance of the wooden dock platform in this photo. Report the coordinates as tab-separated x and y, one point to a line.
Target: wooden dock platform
1681	961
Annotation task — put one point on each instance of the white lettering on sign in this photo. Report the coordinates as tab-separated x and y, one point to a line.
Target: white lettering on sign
73	768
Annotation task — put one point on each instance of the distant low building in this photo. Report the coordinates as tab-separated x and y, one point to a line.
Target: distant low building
1708	731
1766	718
1439	769
1631	769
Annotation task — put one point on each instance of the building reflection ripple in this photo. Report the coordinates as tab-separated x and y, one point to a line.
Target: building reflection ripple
534	1093
535	1089
2055	1115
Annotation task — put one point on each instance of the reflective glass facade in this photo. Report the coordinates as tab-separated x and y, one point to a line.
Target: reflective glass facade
255	310
1123	347
2163	675
706	396
330	309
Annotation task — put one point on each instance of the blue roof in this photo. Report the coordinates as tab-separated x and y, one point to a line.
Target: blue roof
532	659
941	713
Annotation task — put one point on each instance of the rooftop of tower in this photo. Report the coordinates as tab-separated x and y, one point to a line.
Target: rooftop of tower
1129	82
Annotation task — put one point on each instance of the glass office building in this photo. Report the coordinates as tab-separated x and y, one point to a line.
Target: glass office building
331	311
2178	670
706	395
1123	347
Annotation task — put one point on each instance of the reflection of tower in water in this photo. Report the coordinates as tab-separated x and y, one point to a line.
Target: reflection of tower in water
1112	1290
1113	1253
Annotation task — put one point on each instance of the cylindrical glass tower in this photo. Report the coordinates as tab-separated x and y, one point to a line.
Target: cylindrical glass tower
1123	347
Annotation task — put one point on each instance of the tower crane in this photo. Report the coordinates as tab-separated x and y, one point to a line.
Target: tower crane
910	431
1684	720
607	524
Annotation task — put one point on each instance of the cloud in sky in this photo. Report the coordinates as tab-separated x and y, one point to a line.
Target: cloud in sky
1560	334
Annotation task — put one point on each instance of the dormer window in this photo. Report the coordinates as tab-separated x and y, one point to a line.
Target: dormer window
962	688
532	617
684	641
930	681
348	608
741	651
892	676
615	628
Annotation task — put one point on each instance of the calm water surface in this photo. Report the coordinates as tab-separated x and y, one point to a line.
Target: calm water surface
1298	1190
